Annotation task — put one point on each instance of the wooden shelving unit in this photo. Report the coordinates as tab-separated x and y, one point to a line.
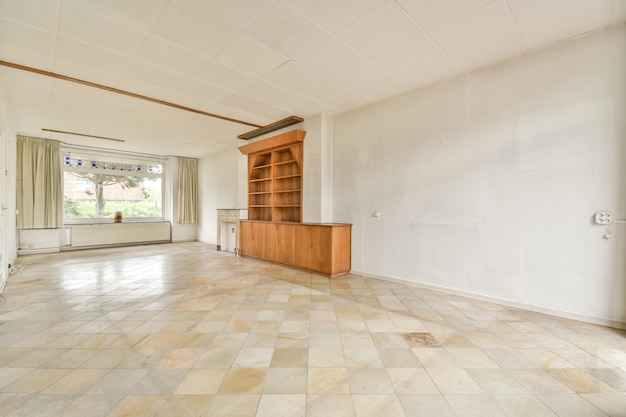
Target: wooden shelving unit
275	177
274	230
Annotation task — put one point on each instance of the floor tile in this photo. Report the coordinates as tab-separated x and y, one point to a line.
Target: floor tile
202	382
570	405
138	406
234	405
285	405
454	381
184	330
412	381
286	381
378	405
475	406
426	405
324	405
328	380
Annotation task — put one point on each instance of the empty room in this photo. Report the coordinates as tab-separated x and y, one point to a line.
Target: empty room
266	208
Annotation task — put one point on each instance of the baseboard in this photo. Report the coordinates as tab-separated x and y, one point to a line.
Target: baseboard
36	251
503	301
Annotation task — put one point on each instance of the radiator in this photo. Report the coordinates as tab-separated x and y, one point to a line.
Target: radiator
86	235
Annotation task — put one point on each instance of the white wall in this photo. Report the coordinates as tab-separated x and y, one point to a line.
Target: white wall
317	174
10	149
487	183
222	184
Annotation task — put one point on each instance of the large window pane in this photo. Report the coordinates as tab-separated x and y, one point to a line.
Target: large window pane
90	195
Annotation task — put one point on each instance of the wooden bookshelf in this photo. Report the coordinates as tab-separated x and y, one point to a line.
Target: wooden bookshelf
275	177
274	230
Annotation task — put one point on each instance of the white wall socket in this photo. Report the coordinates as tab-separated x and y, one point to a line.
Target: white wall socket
603	217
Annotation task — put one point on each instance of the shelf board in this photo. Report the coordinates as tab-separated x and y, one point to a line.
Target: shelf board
260	206
291	161
259	179
286	191
288	176
286	205
262	166
260	192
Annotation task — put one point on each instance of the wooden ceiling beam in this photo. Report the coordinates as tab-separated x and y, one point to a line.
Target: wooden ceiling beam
124	92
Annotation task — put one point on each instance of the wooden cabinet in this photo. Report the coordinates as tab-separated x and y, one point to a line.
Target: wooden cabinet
275	177
255	238
321	248
279	237
274	231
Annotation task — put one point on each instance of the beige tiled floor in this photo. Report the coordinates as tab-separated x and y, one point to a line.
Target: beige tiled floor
184	330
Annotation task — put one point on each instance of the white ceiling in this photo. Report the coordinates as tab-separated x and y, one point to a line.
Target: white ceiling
253	60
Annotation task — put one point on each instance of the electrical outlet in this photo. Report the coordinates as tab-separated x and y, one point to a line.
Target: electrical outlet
603	217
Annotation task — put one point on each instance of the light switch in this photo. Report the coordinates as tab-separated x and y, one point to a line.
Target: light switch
603	217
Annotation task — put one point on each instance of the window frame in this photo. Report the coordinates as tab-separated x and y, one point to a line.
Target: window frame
112	164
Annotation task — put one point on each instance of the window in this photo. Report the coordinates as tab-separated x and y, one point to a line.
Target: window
95	190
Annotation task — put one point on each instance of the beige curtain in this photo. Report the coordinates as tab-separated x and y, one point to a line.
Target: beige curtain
187	190
39	184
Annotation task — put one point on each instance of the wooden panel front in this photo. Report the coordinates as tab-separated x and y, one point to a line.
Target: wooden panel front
271	243
325	249
302	246
321	249
341	251
252	239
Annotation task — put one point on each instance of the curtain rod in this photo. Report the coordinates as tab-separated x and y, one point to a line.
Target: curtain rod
109	151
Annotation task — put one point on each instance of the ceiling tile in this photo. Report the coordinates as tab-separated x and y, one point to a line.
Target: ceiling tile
71	69
250	57
334	15
435	13
15	38
294	76
203	91
14	76
332	57
385	28
481	37
312	85
139	14
169	56
139	87
542	23
28	94
256	60
335	60
280	97
238	14
84	55
42	15
285	30
80	92
99	31
149	74
252	106
219	75
69	105
191	30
